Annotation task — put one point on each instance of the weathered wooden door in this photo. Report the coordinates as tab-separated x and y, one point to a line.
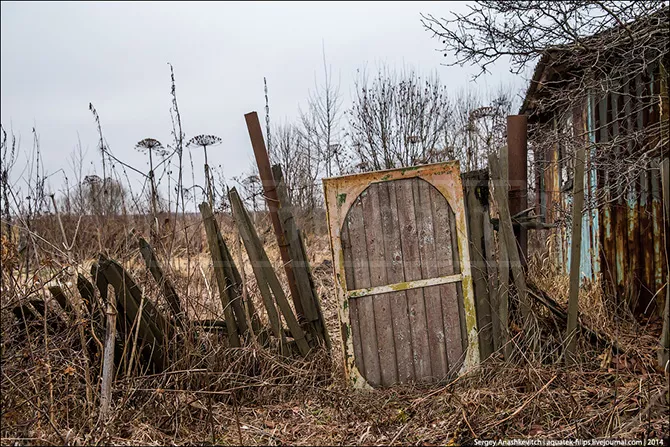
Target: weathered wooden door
402	270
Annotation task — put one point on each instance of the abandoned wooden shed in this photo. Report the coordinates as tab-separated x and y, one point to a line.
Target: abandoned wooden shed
610	93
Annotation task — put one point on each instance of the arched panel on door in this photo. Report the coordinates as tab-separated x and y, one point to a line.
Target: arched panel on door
403	273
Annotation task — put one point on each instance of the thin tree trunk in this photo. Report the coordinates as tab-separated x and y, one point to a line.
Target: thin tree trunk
575	255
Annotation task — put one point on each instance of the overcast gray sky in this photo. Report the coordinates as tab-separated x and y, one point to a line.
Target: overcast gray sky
57	57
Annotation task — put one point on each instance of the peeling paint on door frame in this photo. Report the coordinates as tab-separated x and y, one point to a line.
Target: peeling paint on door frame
341	192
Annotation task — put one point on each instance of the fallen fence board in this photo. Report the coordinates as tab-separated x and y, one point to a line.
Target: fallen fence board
233	282
154	330
299	262
165	285
215	251
265	275
317	301
252	245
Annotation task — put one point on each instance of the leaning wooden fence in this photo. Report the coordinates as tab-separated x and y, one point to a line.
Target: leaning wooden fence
145	338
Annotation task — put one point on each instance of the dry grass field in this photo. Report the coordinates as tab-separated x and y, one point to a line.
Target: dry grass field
213	394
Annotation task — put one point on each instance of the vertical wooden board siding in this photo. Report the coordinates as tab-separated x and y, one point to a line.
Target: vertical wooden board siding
555	209
454	334
380	303
594	209
426	233
412	267
547	182
476	214
634	204
648	118
402	336
492	276
366	314
604	215
355	334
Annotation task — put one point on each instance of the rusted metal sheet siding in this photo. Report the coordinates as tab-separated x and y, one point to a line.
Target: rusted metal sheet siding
623	232
553	202
557	204
588	265
593	210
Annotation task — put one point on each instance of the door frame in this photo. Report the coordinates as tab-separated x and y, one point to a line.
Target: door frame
340	194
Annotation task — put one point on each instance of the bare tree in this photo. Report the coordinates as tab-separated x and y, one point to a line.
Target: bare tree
252	188
398	120
303	150
88	197
522	31
296	154
320	124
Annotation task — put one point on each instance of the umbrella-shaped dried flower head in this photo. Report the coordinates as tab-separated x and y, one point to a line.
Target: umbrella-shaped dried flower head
204	140
150	144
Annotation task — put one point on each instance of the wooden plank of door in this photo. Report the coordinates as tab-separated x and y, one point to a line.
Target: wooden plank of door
366	313
448	292
355	334
381	303
402	336
433	303
164	283
299	262
412	264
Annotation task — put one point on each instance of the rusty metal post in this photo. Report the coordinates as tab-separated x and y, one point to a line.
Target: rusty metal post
271	198
517	144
